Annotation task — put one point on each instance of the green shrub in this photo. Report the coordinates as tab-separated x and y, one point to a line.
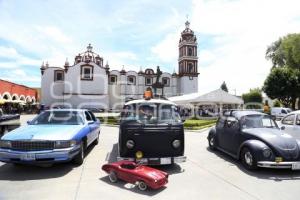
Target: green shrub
197	124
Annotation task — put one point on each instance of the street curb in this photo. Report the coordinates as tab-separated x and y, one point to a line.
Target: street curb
198	131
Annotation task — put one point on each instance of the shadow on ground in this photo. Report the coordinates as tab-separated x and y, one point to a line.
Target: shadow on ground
131	187
171	169
20	172
261	173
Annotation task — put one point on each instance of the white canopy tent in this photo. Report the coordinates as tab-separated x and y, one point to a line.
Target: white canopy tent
217	98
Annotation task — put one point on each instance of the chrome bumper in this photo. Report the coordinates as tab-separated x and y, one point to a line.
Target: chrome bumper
56	155
280	165
156	161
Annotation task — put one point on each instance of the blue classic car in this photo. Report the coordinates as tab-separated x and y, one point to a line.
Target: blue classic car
58	135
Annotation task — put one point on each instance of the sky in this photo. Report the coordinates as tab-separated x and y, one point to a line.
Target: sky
233	36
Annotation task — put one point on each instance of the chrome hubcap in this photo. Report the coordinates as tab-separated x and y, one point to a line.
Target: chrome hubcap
248	158
142	186
212	141
112	177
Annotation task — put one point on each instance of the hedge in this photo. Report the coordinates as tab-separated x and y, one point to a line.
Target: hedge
189	124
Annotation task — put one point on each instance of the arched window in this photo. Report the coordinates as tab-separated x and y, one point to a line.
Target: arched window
166	81
113	79
190	51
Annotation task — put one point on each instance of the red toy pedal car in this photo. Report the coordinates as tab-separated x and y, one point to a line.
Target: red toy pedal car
140	175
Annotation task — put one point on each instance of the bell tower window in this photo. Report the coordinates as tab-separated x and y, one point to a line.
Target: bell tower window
190	53
191	68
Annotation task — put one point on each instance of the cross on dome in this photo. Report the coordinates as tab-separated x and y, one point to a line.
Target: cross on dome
187	24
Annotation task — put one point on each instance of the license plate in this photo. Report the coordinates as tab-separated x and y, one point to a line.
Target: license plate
296	166
28	156
165	161
142	161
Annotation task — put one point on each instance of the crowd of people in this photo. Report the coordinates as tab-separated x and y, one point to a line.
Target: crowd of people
14	108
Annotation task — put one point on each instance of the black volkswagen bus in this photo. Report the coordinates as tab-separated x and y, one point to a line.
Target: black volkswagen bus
151	132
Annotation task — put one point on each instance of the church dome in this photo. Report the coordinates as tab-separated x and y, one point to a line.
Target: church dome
89	56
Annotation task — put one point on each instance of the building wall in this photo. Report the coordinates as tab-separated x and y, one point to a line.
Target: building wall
100	92
52	91
188	85
74	83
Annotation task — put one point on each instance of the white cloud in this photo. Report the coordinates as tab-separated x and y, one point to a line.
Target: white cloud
53	33
242	30
167	49
16	58
20	76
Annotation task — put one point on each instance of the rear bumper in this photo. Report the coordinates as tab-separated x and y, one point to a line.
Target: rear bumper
156	161
38	157
281	165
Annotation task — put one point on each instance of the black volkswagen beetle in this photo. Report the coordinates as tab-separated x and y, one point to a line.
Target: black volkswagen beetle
256	140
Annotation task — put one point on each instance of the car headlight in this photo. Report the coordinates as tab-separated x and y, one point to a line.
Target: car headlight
267	153
5	144
130	144
64	144
176	144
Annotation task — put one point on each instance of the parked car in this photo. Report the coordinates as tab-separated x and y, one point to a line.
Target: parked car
149	123
280	112
291	124
8	122
256	140
140	175
57	135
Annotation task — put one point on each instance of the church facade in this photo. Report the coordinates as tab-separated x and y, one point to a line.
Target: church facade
88	83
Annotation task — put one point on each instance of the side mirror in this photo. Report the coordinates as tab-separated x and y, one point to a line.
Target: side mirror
29	122
282	128
183	120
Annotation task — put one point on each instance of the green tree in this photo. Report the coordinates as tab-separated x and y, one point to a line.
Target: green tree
283	84
224	87
285	52
276	103
253	96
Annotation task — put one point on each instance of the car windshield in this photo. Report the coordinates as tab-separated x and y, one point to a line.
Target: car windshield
151	113
58	117
258	121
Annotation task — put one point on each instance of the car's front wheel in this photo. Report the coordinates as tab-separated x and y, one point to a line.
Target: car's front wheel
212	142
248	159
113	177
80	156
142	186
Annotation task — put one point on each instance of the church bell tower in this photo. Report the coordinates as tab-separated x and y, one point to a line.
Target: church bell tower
188	61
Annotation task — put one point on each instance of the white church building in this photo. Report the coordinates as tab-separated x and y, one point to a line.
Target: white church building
90	84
